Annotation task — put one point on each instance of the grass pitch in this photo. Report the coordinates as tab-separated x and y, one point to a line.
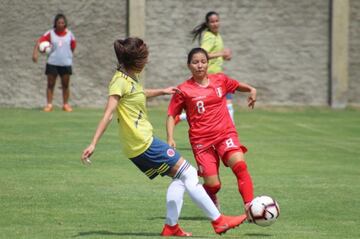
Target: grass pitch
308	159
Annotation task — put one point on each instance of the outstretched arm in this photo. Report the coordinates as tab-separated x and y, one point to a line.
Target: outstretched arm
243	87
157	92
110	107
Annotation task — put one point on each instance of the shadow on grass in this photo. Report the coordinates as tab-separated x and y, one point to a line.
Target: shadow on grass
109	233
258	235
121	234
183	218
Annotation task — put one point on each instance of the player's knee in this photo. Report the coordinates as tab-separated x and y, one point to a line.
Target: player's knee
212	189
239	166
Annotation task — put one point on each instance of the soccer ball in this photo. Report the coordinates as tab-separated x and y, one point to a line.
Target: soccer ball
263	211
45	47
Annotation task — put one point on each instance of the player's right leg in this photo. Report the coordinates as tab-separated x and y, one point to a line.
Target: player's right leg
51	80
208	168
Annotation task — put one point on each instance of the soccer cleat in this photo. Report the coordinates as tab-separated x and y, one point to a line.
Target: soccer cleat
177	119
174	231
48	108
67	108
247	211
224	223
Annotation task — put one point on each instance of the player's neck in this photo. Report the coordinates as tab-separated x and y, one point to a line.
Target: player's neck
203	81
129	73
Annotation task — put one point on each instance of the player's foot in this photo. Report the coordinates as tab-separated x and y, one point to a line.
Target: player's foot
246	208
224	223
48	108
67	108
174	231
177	119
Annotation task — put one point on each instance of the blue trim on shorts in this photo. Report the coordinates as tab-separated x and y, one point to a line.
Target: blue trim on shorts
158	159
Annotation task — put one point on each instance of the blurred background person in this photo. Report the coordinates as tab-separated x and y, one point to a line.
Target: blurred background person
59	61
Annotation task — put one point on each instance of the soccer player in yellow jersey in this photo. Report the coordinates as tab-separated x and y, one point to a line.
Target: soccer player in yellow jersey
211	41
151	155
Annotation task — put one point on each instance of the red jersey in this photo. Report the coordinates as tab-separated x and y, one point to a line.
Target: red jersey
47	37
205	107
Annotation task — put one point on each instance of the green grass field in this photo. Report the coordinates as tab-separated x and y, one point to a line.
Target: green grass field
306	158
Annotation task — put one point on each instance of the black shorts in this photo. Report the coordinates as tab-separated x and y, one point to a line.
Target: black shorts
58	70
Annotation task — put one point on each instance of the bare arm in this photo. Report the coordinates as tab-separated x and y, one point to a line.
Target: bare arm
104	122
243	87
156	92
35	54
226	54
170	125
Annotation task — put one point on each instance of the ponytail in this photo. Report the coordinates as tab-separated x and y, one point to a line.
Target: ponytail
197	31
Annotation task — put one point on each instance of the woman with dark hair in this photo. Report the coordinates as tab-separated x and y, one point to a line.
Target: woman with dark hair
59	61
210	40
151	155
212	134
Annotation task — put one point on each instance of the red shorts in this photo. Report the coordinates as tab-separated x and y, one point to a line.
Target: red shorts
208	160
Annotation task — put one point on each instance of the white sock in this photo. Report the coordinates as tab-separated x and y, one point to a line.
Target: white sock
231	111
182	116
174	201
188	175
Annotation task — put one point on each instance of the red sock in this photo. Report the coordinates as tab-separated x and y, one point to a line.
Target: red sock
245	184
211	191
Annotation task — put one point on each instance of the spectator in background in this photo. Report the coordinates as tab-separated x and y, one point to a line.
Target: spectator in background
59	61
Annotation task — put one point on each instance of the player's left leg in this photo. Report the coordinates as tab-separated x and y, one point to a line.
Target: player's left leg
232	152
235	160
208	168
66	71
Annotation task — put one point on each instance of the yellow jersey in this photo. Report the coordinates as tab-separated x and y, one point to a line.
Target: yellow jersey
135	131
213	43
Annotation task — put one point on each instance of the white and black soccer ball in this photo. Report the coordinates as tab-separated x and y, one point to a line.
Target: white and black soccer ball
45	47
263	211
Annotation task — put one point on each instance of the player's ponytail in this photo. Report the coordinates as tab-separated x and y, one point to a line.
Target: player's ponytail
197	31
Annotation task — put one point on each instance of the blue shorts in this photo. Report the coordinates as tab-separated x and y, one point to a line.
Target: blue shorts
229	96
159	158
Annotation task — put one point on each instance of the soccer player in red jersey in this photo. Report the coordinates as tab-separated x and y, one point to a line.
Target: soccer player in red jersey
212	133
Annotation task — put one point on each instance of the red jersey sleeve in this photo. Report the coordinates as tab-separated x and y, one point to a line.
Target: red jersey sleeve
45	37
176	104
73	42
231	84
